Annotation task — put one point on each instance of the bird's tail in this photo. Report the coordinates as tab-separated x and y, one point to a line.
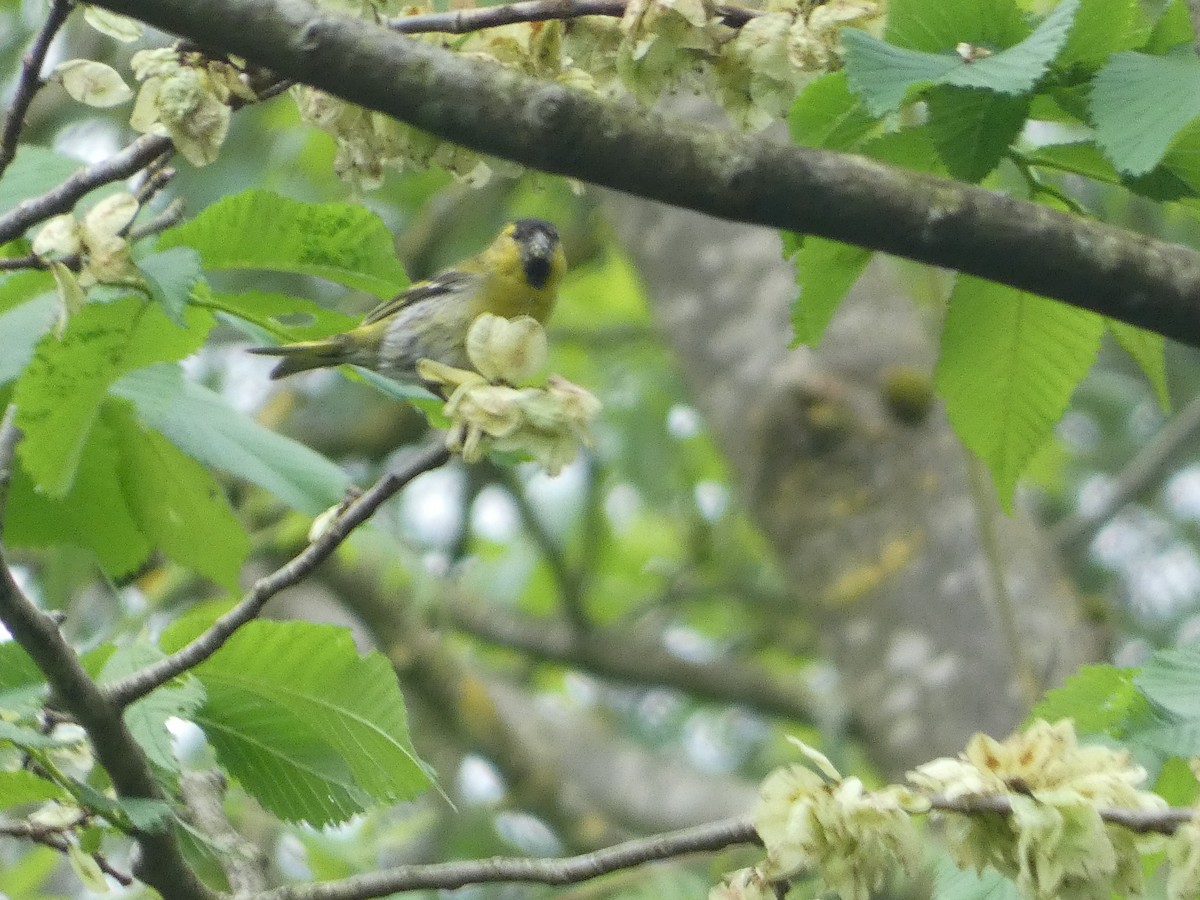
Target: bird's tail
305	355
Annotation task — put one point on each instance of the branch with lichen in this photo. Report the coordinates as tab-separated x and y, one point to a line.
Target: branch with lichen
553	128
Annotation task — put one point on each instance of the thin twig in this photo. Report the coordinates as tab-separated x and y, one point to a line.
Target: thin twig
569	870
127	690
162	865
569	579
463	21
171	215
30	81
1145	469
243	863
63	198
1139	821
10	435
622	655
983	499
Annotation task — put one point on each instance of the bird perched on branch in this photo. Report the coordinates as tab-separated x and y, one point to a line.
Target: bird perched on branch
518	274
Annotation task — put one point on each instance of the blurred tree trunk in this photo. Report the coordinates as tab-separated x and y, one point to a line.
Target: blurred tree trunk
875	518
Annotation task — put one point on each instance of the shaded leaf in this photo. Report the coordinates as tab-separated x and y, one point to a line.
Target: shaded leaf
1147	349
22	684
176	502
883	73
1139	104
20	787
1097	697
828	114
973	129
203	425
59	394
170	277
825	271
1171	681
93	514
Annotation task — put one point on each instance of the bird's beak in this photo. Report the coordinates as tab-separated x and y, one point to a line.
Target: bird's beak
540	246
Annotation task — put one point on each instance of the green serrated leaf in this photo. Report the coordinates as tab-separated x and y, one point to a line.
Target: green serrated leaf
93	514
1175	783
1103	27
1140	103
203	425
827	114
911	148
59	394
170	277
1171	681
22	684
825	271
973	129
1008	366
311	729
940	24
883	74
21	787
279	316
1147	350
1097	697
342	242
1085	158
20	330
175	500
147	717
1172	29
34	171
27	877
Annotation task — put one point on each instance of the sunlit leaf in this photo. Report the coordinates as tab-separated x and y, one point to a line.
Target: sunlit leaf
311	729
1009	364
342	242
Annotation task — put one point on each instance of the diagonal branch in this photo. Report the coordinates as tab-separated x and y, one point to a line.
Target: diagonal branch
162	865
571	870
30	81
63	198
121	693
624	656
1145	282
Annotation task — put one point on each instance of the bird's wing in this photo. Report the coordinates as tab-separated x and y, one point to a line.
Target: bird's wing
438	286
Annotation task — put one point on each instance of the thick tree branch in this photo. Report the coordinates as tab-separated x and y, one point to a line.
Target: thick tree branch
30	81
1151	464
1145	282
122	693
571	870
623	656
162	866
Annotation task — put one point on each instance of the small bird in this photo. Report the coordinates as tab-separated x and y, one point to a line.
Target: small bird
517	275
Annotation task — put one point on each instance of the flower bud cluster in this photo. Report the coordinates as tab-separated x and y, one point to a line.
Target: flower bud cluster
1031	807
487	411
656	47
